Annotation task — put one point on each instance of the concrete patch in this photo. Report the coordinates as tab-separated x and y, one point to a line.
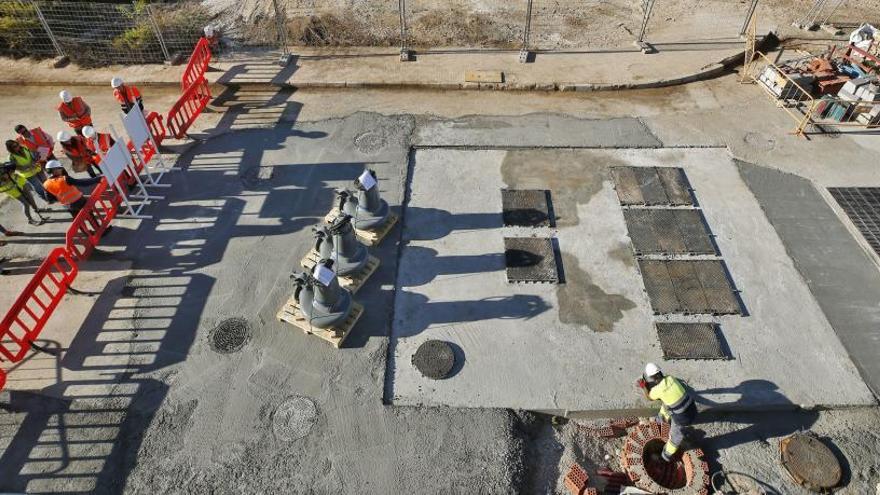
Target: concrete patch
583	303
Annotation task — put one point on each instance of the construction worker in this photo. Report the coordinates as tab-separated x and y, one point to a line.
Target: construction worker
27	168
74	111
63	187
81	157
677	406
11	185
38	141
126	94
96	141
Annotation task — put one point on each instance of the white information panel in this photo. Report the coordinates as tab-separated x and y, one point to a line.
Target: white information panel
323	275
115	161
136	126
366	179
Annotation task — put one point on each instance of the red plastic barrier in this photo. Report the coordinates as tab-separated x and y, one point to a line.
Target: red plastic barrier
91	222
188	108
33	308
197	66
157	129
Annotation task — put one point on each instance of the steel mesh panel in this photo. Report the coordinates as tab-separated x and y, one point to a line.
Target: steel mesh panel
653	192
627	186
526	207
675	185
694	233
659	286
651	186
690	341
530	259
668	232
688	287
862	206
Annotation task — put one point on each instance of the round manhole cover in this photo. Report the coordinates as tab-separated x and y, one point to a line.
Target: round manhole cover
760	141
434	359
294	418
370	142
230	335
810	462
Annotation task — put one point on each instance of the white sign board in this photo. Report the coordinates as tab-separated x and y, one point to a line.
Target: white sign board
323	274
136	126
115	161
366	179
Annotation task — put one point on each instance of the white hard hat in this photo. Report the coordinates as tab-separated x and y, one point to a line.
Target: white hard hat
65	96
209	30
651	369
53	164
116	82
88	131
63	136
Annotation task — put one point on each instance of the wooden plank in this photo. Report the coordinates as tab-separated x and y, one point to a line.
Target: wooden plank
352	282
484	76
290	313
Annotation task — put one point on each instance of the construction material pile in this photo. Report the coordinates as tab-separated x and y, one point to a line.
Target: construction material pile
842	83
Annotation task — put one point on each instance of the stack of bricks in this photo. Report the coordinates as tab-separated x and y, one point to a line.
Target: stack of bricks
614	480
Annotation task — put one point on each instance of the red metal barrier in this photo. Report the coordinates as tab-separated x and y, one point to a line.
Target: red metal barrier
91	222
197	66
188	108
33	308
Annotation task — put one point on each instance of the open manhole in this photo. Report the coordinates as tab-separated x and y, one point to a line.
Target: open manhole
642	460
530	259
434	359
526	208
230	335
670	475
810	463
294	418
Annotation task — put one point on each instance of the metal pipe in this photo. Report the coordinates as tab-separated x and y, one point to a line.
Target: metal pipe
648	6
48	29
749	15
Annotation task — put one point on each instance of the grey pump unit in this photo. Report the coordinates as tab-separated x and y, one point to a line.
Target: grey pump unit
337	241
322	301
365	206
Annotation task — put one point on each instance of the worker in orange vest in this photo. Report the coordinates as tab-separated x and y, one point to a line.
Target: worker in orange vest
97	141
38	141
63	187
127	95
82	158
74	111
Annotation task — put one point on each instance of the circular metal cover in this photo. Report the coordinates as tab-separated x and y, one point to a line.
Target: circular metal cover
434	359
810	462
230	335
293	419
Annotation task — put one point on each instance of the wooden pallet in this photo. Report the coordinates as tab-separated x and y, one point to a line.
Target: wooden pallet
290	313
368	237
351	282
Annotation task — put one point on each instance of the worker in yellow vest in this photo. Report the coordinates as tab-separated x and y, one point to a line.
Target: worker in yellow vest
677	406
27	166
11	184
64	187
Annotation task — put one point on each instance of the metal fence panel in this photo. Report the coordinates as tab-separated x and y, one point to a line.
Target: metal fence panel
21	32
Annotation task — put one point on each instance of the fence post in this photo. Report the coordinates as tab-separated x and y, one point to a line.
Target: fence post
648	7
158	33
527	29
405	54
749	15
48	30
281	33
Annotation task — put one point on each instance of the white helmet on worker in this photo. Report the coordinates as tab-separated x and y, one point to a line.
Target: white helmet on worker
53	164
209	30
116	82
88	131
651	369
65	96
63	136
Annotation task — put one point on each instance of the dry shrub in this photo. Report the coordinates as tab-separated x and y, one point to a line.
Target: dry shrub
457	27
347	28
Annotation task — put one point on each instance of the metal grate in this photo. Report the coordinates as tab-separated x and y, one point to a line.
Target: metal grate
434	359
668	232
810	462
530	259
526	208
651	186
230	335
690	341
689	287
862	206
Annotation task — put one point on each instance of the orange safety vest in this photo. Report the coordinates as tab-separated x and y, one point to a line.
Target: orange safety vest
59	188
104	141
128	96
77	114
38	140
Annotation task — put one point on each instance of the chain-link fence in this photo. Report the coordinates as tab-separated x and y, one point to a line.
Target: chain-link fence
98	33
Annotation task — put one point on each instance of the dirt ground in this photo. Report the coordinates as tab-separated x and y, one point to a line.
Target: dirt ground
556	24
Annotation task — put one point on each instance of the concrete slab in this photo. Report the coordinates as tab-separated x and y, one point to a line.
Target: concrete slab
580	345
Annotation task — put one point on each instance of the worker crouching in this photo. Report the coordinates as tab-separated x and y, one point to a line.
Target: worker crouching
677	405
64	188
